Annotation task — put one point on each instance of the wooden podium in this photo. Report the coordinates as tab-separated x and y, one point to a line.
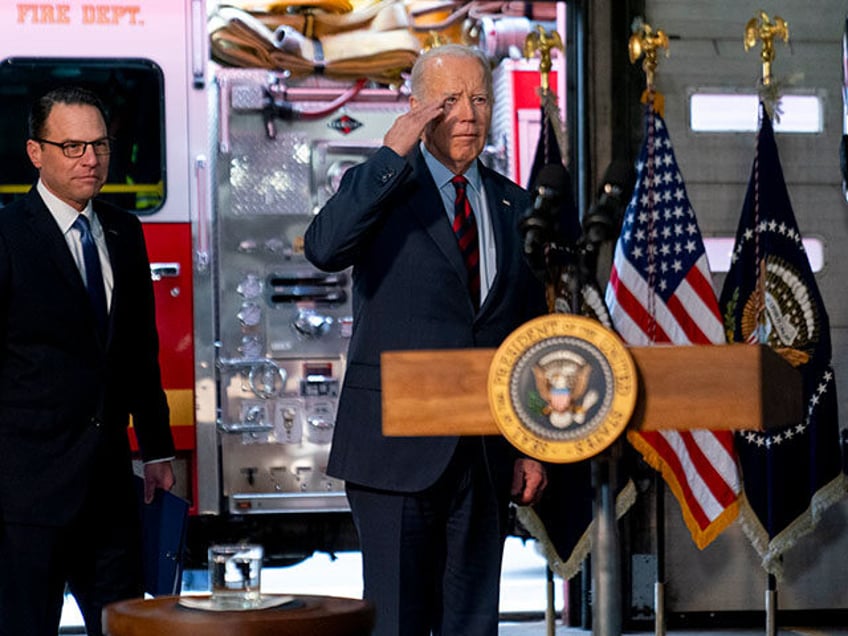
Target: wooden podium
717	387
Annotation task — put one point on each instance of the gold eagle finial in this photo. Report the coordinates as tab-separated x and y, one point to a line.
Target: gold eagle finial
542	41
762	28
645	41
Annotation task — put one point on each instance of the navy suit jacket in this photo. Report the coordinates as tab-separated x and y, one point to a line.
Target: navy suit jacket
387	220
65	393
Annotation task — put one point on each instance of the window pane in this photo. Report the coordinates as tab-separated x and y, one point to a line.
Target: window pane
132	91
735	112
720	249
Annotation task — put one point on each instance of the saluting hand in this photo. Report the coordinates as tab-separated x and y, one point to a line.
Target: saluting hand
407	129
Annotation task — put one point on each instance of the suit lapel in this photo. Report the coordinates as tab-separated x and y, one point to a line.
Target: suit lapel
502	215
113	239
430	210
56	247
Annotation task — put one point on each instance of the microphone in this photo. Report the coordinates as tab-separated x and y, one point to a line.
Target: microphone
541	222
540	226
601	222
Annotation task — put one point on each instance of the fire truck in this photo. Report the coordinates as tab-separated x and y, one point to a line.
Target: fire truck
225	166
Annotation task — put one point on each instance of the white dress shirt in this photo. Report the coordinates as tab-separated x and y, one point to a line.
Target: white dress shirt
65	216
477	198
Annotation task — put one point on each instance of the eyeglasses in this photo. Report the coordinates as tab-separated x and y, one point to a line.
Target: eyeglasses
76	149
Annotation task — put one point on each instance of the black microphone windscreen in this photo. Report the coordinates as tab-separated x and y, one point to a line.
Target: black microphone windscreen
552	175
621	174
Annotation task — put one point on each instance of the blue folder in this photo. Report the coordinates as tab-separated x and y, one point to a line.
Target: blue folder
164	523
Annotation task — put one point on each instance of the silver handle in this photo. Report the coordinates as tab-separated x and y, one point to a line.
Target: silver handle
202	252
242	427
198	43
224	92
158	271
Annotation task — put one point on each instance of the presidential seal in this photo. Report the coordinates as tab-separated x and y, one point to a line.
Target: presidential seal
562	388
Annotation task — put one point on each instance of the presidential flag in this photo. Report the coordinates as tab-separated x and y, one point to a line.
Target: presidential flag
563	269
770	296
562	521
549	152
660	292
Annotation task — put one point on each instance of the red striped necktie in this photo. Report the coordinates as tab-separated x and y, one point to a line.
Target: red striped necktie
465	228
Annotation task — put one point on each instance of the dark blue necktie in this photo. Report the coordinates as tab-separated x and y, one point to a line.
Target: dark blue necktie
93	273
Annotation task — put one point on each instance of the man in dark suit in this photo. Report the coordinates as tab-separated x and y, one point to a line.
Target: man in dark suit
431	513
69	380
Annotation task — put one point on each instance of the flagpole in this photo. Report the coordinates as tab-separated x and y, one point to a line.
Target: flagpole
645	42
606	564
541	41
771	606
659	584
763	29
575	264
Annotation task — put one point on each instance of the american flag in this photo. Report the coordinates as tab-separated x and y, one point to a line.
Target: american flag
770	296
660	292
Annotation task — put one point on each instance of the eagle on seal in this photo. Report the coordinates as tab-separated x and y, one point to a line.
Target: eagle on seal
562	381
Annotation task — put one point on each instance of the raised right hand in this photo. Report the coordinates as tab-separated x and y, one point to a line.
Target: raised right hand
407	129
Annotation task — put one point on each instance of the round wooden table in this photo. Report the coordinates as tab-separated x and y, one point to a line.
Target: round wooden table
324	615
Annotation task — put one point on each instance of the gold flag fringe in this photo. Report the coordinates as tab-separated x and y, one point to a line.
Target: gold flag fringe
770	552
570	567
701	537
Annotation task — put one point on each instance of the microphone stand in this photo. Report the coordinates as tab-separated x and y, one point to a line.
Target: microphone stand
606	578
577	265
